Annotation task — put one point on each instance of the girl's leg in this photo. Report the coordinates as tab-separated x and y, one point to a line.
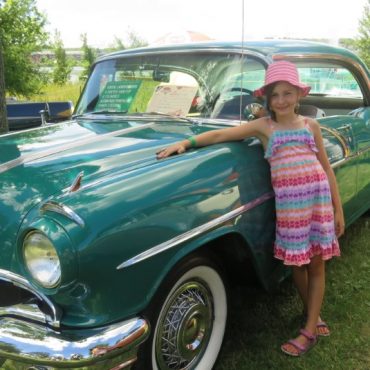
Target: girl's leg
316	289
300	279
315	295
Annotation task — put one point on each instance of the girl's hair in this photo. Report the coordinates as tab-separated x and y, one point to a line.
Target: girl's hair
268	91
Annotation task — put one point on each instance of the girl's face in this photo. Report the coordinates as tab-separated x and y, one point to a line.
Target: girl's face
284	98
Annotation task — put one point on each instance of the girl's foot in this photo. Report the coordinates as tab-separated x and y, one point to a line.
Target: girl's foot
322	328
299	346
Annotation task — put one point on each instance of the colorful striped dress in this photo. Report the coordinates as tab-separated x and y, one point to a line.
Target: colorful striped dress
304	211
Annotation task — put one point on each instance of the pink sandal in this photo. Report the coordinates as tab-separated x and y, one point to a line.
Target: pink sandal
301	348
320	324
323	325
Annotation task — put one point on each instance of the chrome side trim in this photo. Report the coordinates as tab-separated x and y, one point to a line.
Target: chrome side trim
99	348
363	151
51	206
341	162
339	137
350	157
191	234
30	311
23	159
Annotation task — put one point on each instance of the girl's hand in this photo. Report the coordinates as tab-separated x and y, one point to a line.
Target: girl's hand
338	223
177	148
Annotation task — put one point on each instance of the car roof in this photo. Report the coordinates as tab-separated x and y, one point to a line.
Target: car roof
266	48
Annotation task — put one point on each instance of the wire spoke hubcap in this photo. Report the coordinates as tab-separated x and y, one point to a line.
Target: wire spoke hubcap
185	326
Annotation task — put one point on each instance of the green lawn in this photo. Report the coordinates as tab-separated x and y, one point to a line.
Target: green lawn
59	93
259	322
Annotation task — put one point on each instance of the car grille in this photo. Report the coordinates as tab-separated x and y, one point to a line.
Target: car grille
19	299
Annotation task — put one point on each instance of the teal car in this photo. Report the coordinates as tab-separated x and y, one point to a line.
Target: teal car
113	259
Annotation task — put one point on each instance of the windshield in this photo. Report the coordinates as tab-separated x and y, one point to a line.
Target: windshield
204	84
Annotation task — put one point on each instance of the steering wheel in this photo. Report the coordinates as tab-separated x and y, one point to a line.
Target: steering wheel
229	106
238	89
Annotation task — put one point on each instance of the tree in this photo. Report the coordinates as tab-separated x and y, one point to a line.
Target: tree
3	115
363	42
89	56
133	41
348	43
63	66
22	33
118	44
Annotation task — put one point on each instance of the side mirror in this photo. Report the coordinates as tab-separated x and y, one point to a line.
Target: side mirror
44	113
253	111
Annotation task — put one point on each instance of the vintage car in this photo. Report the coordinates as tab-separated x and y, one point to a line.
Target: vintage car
111	258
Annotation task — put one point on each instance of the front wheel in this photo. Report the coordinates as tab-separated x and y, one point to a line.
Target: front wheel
189	321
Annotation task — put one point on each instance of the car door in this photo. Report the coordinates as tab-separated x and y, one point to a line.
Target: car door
361	132
340	148
340	89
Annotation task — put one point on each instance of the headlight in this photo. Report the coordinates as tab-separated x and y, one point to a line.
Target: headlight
41	259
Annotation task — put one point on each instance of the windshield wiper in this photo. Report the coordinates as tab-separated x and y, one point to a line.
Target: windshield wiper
144	115
99	112
172	116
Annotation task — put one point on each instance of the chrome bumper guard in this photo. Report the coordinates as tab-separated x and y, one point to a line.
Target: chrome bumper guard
114	346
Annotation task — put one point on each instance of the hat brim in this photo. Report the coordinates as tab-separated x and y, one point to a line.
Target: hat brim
302	87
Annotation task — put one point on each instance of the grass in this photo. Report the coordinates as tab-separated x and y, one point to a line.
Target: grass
259	323
70	91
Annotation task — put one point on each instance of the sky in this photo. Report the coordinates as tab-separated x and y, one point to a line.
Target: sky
105	20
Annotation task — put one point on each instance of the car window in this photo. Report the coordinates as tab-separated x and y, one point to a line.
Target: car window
251	79
330	80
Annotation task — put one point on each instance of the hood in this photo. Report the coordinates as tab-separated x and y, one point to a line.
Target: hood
41	164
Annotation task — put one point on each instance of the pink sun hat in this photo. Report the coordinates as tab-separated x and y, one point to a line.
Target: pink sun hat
282	71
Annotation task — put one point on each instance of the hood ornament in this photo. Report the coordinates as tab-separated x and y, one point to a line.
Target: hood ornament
76	183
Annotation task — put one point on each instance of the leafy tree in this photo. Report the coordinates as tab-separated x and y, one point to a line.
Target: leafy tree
348	43
134	41
3	115
22	33
363	42
63	67
118	44
89	56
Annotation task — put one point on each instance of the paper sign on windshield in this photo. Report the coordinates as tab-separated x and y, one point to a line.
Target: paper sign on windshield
172	99
118	96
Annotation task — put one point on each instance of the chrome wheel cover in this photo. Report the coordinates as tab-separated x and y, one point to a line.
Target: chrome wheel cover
184	326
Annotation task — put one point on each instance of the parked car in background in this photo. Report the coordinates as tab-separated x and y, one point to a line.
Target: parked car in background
112	259
25	115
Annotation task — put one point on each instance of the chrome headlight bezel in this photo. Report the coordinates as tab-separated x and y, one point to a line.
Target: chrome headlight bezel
41	259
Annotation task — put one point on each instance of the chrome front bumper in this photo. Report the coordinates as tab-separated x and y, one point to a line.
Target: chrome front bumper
112	347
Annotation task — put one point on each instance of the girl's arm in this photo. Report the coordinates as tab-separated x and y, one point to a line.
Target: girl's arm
323	158
253	128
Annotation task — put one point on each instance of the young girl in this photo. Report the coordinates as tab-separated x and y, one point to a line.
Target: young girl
309	215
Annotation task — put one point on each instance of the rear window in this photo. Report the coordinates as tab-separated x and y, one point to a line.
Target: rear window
330	80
